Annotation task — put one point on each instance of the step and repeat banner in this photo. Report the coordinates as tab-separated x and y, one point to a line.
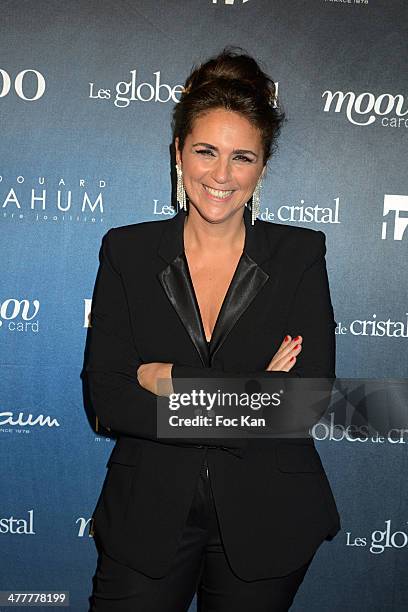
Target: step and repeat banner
86	94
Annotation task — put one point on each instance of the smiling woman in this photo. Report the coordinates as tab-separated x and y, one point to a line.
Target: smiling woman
229	296
228	117
225	168
225	128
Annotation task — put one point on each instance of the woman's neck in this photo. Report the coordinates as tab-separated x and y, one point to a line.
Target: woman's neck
205	237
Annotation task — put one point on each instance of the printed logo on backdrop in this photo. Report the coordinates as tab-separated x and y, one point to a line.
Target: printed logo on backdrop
22	422
288	213
363	109
163	209
133	90
368	411
18	526
375	327
28	85
380	540
229	1
344	2
59	200
83	523
354	433
304	213
395	204
19	315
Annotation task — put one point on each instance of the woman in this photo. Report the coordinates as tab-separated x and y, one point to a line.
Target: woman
209	293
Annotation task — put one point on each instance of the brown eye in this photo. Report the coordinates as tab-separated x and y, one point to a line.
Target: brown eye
204	151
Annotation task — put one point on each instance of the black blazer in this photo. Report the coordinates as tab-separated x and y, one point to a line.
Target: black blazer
273	499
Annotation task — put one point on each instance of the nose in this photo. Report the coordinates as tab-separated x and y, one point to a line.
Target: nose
221	171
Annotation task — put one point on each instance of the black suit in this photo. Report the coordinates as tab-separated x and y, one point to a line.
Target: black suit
273	499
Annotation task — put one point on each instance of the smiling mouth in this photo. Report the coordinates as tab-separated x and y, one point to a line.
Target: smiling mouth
218	193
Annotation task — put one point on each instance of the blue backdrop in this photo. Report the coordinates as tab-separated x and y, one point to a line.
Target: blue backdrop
86	94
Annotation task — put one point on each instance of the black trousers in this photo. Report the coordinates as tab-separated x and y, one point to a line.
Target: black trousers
200	566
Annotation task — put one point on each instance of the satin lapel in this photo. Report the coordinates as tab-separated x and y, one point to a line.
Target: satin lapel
248	280
177	283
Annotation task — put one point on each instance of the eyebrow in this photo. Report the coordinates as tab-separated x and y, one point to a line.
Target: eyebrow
239	151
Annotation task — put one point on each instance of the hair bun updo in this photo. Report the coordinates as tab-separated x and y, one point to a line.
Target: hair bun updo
232	80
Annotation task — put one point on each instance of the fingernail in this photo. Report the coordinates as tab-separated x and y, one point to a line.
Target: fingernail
295	347
297	338
286	338
292	359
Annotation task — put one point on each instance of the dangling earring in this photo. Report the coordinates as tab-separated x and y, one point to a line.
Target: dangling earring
256	201
181	192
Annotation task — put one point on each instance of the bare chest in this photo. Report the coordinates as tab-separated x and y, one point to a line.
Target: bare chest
211	279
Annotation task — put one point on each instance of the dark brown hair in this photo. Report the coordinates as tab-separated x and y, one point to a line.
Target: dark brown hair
232	80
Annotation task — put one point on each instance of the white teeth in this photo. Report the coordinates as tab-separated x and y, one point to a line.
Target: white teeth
218	194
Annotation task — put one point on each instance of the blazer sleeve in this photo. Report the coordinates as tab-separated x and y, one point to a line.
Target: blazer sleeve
310	315
121	404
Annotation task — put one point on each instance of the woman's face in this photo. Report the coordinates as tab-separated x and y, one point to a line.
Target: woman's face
222	160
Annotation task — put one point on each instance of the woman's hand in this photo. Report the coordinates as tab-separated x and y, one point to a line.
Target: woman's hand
149	373
285	357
